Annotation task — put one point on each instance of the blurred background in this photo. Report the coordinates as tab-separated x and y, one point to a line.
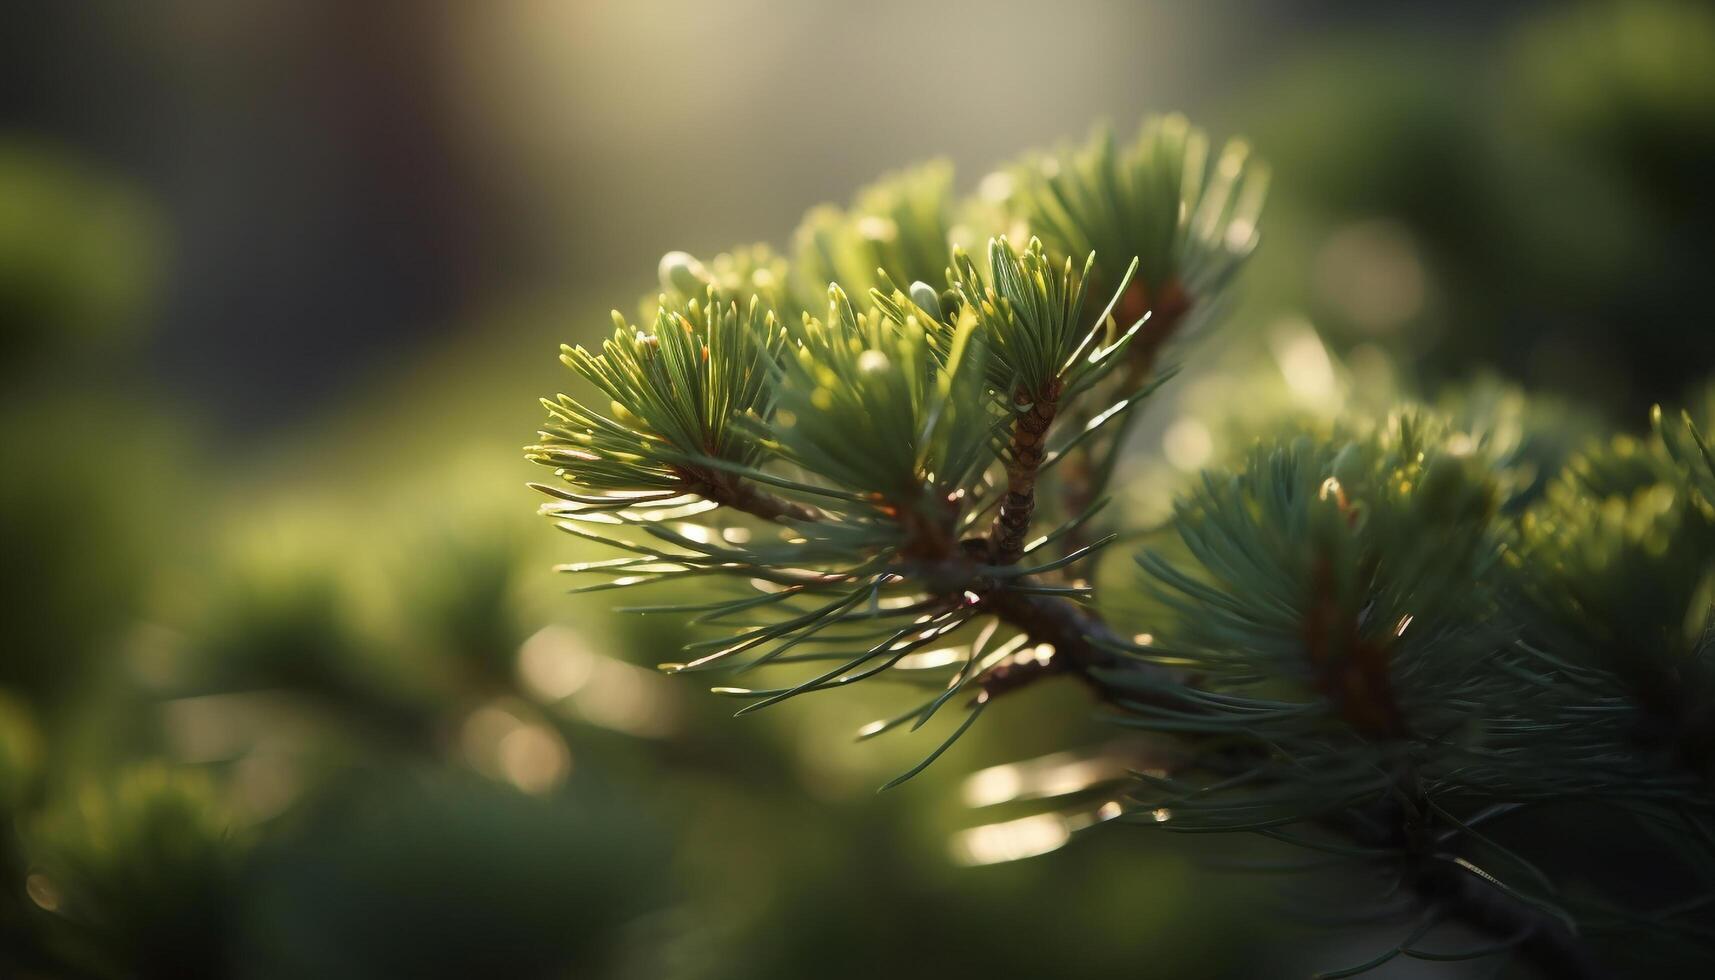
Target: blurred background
288	687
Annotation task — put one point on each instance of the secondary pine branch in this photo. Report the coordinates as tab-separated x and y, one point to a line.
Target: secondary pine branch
1477	902
1082	643
742	495
1167	312
1457	891
1029	437
1085	479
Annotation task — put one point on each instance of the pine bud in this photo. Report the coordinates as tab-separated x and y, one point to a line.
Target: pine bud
680	272
926	298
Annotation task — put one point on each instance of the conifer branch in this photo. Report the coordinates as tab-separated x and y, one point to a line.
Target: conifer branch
1458	891
1369	632
1091	467
745	496
1082	645
1478	902
1024	457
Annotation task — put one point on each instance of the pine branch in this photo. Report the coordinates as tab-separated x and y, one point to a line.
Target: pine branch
1362	633
1091	468
1024	457
1191	226
1461	892
1083	645
1032	316
742	495
1478	902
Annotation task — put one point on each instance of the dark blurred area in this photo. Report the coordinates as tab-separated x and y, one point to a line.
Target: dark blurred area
288	686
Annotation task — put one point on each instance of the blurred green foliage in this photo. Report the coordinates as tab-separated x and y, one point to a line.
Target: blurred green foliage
1530	200
454	877
139	875
80	256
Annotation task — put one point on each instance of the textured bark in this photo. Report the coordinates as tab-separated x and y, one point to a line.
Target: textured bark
1072	631
731	491
1029	438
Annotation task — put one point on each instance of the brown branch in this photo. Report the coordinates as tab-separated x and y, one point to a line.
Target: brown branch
1077	635
1460	892
1166	312
1083	646
770	507
729	490
1166	309
1352	669
1029	438
1544	941
1079	641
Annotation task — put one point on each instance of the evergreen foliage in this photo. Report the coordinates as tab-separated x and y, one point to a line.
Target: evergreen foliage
137	872
1395	641
900	225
